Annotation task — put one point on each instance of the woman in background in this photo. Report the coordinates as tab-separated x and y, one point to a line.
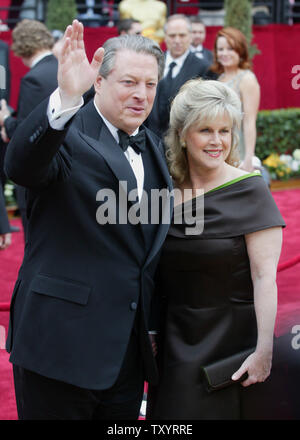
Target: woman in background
234	68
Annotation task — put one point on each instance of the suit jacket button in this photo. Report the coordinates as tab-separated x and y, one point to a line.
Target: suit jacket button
133	306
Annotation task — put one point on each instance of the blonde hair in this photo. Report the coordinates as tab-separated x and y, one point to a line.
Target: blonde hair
197	103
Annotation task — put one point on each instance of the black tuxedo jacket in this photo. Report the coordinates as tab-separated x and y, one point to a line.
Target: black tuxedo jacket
80	284
158	119
38	83
208	56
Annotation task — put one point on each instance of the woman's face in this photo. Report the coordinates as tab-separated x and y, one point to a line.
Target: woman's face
226	55
209	145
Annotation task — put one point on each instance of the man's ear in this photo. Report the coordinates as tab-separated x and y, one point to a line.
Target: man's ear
98	82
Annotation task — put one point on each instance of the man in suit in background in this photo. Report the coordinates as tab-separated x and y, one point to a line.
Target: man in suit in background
198	38
33	43
81	307
129	26
180	66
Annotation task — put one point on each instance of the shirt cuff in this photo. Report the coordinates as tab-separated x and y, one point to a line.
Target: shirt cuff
58	117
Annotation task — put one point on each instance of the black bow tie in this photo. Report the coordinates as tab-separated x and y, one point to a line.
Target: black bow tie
137	142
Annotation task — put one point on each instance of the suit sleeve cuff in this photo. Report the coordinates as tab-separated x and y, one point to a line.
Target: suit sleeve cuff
58	117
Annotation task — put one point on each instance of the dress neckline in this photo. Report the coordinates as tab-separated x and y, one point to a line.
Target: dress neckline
224	185
230	182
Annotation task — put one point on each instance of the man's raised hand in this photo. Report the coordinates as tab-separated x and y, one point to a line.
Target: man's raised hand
76	74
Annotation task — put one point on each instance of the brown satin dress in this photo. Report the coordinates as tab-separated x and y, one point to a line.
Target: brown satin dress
204	282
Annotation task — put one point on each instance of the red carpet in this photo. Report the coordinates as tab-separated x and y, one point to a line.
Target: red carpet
10	261
288	280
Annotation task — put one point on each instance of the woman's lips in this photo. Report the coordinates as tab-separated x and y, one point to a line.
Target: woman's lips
213	153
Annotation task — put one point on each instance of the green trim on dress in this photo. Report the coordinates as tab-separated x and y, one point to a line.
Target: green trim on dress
237	179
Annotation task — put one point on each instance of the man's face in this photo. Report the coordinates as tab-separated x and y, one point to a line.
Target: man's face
198	34
178	37
125	97
136	29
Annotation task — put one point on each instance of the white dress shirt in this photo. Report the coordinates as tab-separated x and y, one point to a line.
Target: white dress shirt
198	51
58	118
179	63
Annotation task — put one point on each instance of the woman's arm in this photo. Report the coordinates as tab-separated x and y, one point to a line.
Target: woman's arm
250	96
264	249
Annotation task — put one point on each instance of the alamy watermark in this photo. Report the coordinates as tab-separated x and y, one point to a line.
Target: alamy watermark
2	337
296	339
2	78
154	208
296	79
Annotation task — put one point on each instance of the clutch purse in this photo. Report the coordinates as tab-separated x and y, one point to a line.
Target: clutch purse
217	375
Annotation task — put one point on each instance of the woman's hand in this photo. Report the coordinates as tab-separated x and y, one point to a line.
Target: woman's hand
5	241
257	365
153	343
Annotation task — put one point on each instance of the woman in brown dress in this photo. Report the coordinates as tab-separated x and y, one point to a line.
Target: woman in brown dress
218	282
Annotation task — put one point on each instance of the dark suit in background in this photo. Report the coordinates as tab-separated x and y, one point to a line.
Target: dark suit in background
167	89
198	40
203	54
178	39
36	85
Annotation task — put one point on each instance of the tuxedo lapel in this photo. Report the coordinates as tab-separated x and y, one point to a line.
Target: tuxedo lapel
102	141
159	157
163	227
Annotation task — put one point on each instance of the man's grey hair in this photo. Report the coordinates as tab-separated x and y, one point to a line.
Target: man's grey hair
178	17
136	43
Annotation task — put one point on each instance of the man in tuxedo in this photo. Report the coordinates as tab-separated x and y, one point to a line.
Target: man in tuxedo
198	38
33	43
83	302
180	66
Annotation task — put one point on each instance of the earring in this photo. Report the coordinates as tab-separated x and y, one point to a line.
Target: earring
182	143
